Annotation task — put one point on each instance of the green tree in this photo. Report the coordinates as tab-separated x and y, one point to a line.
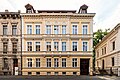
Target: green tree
97	37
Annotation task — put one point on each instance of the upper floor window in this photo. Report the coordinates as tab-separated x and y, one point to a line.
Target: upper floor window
37	62
5	47
48	62
4	29
63	46
29	62
56	46
113	61
14	29
113	45
37	46
74	29
37	29
48	46
74	46
105	50
74	62
63	29
48	29
29	46
85	29
97	53
84	46
56	62
63	62
14	47
29	29
56	29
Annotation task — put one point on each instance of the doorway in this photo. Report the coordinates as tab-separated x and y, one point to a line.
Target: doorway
15	64
84	66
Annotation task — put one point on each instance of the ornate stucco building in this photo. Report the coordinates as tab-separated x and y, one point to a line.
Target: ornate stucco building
10	43
57	42
108	52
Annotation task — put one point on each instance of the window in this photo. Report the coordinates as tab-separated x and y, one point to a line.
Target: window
5	62
14	29
105	50
37	73
56	46
37	62
102	51
74	73
84	46
56	73
29	29
56	29
97	53
48	62
14	45
113	45
37	46
29	62
113	61
29	45
74	62
37	29
84	29
5	47
4	29
63	29
29	73
48	73
63	73
48	29
63	46
74	29
63	62
48	45
56	62
74	46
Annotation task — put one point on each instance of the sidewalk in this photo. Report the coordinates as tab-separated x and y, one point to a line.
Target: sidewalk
107	77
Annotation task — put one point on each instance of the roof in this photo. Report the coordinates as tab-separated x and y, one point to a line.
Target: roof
56	11
104	38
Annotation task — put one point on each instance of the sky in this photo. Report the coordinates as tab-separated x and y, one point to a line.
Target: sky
107	11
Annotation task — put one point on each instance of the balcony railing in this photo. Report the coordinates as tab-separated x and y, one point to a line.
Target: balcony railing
57	36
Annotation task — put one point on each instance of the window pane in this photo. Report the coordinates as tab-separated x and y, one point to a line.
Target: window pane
29	29
56	46
14	29
4	29
29	45
74	46
48	46
63	46
37	46
74	29
63	62
84	46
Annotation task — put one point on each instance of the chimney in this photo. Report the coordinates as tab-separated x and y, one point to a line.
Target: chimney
83	9
6	10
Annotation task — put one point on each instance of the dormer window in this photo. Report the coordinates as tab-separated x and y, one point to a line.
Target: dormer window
29	8
29	11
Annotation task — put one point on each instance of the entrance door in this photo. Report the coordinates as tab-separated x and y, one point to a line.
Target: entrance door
102	64
84	66
15	66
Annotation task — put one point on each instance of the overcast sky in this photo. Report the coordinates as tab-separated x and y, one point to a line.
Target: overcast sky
107	11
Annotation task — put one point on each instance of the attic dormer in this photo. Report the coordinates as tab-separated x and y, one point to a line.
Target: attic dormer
83	9
29	8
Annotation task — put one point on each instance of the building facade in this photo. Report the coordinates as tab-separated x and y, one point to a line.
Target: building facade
57	42
10	43
108	52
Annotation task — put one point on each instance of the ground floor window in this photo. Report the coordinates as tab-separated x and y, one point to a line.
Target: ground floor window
74	73
56	73
63	73
37	73
48	73
29	73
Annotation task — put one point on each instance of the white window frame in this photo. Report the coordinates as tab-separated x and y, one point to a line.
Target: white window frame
72	28
36	28
87	45
77	45
82	28
27	28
